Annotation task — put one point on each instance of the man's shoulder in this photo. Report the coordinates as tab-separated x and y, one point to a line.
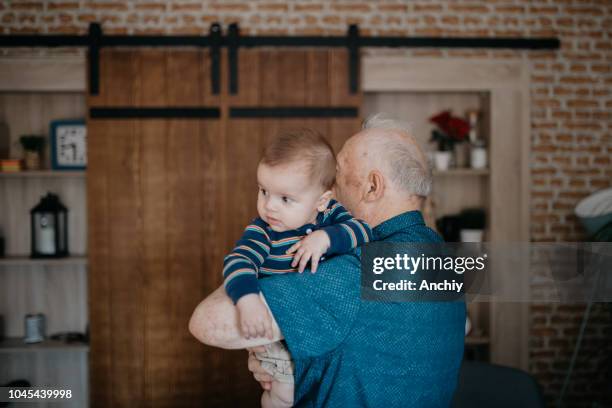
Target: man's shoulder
416	233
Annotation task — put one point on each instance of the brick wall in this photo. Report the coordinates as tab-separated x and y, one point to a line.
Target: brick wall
570	97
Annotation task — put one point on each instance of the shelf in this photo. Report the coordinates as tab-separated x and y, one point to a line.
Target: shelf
27	261
462	172
43	174
16	345
477	340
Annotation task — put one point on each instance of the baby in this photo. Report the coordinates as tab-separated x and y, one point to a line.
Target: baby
299	223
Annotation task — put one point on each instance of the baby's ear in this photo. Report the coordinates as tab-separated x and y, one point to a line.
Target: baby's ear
324	200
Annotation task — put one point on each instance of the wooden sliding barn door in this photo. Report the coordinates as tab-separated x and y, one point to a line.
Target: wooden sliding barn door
168	197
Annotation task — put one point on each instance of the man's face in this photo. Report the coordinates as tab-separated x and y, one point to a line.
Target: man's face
350	179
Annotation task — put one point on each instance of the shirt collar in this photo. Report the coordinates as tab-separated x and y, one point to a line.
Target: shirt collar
398	223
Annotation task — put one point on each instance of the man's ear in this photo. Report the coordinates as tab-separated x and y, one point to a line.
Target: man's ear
376	186
323	201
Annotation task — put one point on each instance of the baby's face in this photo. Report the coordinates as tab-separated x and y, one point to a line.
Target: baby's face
286	199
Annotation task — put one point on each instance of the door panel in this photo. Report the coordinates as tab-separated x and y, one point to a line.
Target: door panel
169	197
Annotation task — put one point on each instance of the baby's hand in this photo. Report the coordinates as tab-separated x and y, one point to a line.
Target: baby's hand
255	320
310	248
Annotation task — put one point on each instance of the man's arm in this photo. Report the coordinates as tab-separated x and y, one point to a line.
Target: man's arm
215	322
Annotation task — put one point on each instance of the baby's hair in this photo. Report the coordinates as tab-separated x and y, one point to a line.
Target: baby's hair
309	146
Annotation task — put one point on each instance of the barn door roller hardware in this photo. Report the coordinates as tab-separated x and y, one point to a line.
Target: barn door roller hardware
352	41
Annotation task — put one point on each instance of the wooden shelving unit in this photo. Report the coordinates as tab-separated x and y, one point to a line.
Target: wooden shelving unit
42	173
413	91
16	345
56	287
27	261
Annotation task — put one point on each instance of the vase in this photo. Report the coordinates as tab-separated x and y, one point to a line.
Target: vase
461	154
471	235
32	160
478	156
442	160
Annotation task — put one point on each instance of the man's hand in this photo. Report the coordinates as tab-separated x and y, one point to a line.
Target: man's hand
310	248
261	375
255	321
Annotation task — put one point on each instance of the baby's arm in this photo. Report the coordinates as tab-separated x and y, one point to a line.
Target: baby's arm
345	231
342	233
240	269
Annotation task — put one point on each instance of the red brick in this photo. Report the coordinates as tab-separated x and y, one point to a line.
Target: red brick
467	20
308	7
222	6
87	18
452	20
578	68
192	7
150	6
509	9
279	7
62	6
599	183
543	78
577	183
432	8
582	103
27	5
468	8
543	10
352	7
65	18
398	8
188	19
584	10
601	68
26	18
578	80
331	19
563	206
561	114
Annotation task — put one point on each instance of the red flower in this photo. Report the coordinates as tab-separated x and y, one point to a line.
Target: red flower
442	119
459	128
454	127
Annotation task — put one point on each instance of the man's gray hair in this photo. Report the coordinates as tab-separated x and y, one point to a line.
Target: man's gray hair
410	170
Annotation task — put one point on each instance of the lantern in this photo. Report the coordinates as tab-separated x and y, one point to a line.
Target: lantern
49	220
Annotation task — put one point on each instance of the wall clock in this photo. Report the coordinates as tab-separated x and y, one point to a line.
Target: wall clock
68	145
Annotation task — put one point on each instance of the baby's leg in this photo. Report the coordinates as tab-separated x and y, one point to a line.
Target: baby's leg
279	396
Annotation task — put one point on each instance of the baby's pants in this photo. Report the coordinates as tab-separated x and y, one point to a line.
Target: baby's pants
276	360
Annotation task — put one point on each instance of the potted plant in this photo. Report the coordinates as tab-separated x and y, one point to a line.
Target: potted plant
33	146
450	131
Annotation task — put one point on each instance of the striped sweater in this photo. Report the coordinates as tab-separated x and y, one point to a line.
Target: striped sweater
260	252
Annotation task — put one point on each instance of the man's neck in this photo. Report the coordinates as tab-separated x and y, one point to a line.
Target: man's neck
394	207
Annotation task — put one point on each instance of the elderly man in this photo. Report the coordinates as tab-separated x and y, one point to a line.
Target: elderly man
349	352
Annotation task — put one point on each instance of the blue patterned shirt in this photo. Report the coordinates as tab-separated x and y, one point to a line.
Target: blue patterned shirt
353	353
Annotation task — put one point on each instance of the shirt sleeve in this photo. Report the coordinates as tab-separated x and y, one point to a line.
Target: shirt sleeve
345	231
241	266
315	312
